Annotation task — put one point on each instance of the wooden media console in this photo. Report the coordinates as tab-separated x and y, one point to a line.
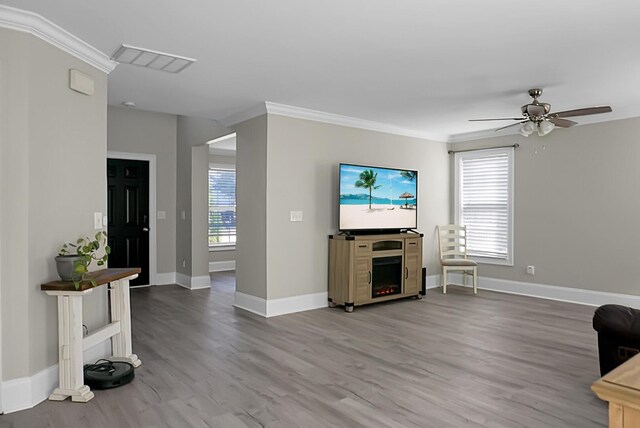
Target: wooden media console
366	269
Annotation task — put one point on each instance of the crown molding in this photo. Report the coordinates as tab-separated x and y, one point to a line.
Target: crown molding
480	135
324	117
352	122
243	115
37	25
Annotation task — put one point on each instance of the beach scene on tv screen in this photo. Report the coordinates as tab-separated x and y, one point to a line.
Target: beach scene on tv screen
377	198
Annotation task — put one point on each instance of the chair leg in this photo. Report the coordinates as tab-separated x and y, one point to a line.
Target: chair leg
475	280
444	280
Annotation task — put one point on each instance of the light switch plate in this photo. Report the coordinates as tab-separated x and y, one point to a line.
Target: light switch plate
296	215
97	220
162	215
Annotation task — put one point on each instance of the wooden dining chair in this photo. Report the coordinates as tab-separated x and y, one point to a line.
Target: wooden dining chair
452	241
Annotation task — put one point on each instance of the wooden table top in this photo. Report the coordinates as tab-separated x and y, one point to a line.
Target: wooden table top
622	384
103	276
627	375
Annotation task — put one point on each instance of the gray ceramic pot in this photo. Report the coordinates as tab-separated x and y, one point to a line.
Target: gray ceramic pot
66	265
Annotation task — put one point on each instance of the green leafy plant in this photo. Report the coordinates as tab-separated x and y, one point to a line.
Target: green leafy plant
87	249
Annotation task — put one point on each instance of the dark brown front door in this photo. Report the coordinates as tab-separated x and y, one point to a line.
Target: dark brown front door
128	215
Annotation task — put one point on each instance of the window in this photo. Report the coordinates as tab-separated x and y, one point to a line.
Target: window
222	206
484	203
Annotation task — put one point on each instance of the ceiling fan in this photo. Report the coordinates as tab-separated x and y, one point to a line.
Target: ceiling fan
536	116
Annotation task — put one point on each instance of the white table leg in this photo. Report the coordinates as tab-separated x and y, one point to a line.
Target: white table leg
70	351
121	311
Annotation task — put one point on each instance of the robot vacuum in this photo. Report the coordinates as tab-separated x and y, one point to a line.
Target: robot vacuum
105	374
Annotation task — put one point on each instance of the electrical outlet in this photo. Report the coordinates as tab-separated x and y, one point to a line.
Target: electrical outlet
531	270
184	263
296	215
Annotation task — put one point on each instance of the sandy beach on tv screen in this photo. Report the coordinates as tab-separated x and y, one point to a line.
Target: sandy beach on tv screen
378	217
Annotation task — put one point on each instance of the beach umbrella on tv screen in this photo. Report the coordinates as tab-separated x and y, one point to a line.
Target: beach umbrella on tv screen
406	196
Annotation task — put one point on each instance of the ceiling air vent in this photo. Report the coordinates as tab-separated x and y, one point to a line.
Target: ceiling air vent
151	59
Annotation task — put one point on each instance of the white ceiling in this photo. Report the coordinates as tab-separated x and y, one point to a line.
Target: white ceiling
424	65
226	147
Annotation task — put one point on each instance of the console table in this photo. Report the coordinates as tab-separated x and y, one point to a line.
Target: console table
621	388
71	344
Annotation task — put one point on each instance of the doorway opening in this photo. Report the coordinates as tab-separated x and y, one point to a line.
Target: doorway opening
222	204
130	214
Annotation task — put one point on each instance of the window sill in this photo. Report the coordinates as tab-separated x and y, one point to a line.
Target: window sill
488	261
213	248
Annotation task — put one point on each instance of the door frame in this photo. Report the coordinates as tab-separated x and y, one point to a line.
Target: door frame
153	266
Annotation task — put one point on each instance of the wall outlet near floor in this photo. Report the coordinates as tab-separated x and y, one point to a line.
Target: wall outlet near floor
184	263
531	270
296	215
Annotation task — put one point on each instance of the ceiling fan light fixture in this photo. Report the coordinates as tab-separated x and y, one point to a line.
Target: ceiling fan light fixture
526	129
545	127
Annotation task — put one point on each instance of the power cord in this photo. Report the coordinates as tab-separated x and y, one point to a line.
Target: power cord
101	365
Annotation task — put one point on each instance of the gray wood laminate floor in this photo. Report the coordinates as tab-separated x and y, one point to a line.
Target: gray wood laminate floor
455	360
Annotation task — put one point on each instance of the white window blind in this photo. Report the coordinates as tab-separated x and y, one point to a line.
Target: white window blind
484	199
222	206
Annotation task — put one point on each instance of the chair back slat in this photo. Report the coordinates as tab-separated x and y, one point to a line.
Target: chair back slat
452	241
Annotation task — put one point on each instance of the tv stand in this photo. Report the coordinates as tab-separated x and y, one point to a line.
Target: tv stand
365	269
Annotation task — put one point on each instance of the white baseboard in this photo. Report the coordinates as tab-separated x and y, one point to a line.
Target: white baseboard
222	266
250	303
198	282
289	305
166	278
433	281
552	292
274	307
193	282
27	392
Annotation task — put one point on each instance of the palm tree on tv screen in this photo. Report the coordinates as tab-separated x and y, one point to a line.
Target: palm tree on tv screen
368	181
409	175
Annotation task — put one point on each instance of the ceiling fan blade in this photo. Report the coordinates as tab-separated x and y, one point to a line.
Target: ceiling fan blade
502	118
513	124
562	123
581	112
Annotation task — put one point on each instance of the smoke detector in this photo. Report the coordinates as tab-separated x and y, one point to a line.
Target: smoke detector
148	58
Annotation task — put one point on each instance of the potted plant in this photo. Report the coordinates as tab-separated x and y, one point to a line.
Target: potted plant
73	259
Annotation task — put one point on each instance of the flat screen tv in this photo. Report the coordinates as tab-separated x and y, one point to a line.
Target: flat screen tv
377	199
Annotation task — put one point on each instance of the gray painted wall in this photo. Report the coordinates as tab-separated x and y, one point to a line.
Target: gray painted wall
192	132
286	164
576	207
200	211
50	136
139	131
302	174
251	200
